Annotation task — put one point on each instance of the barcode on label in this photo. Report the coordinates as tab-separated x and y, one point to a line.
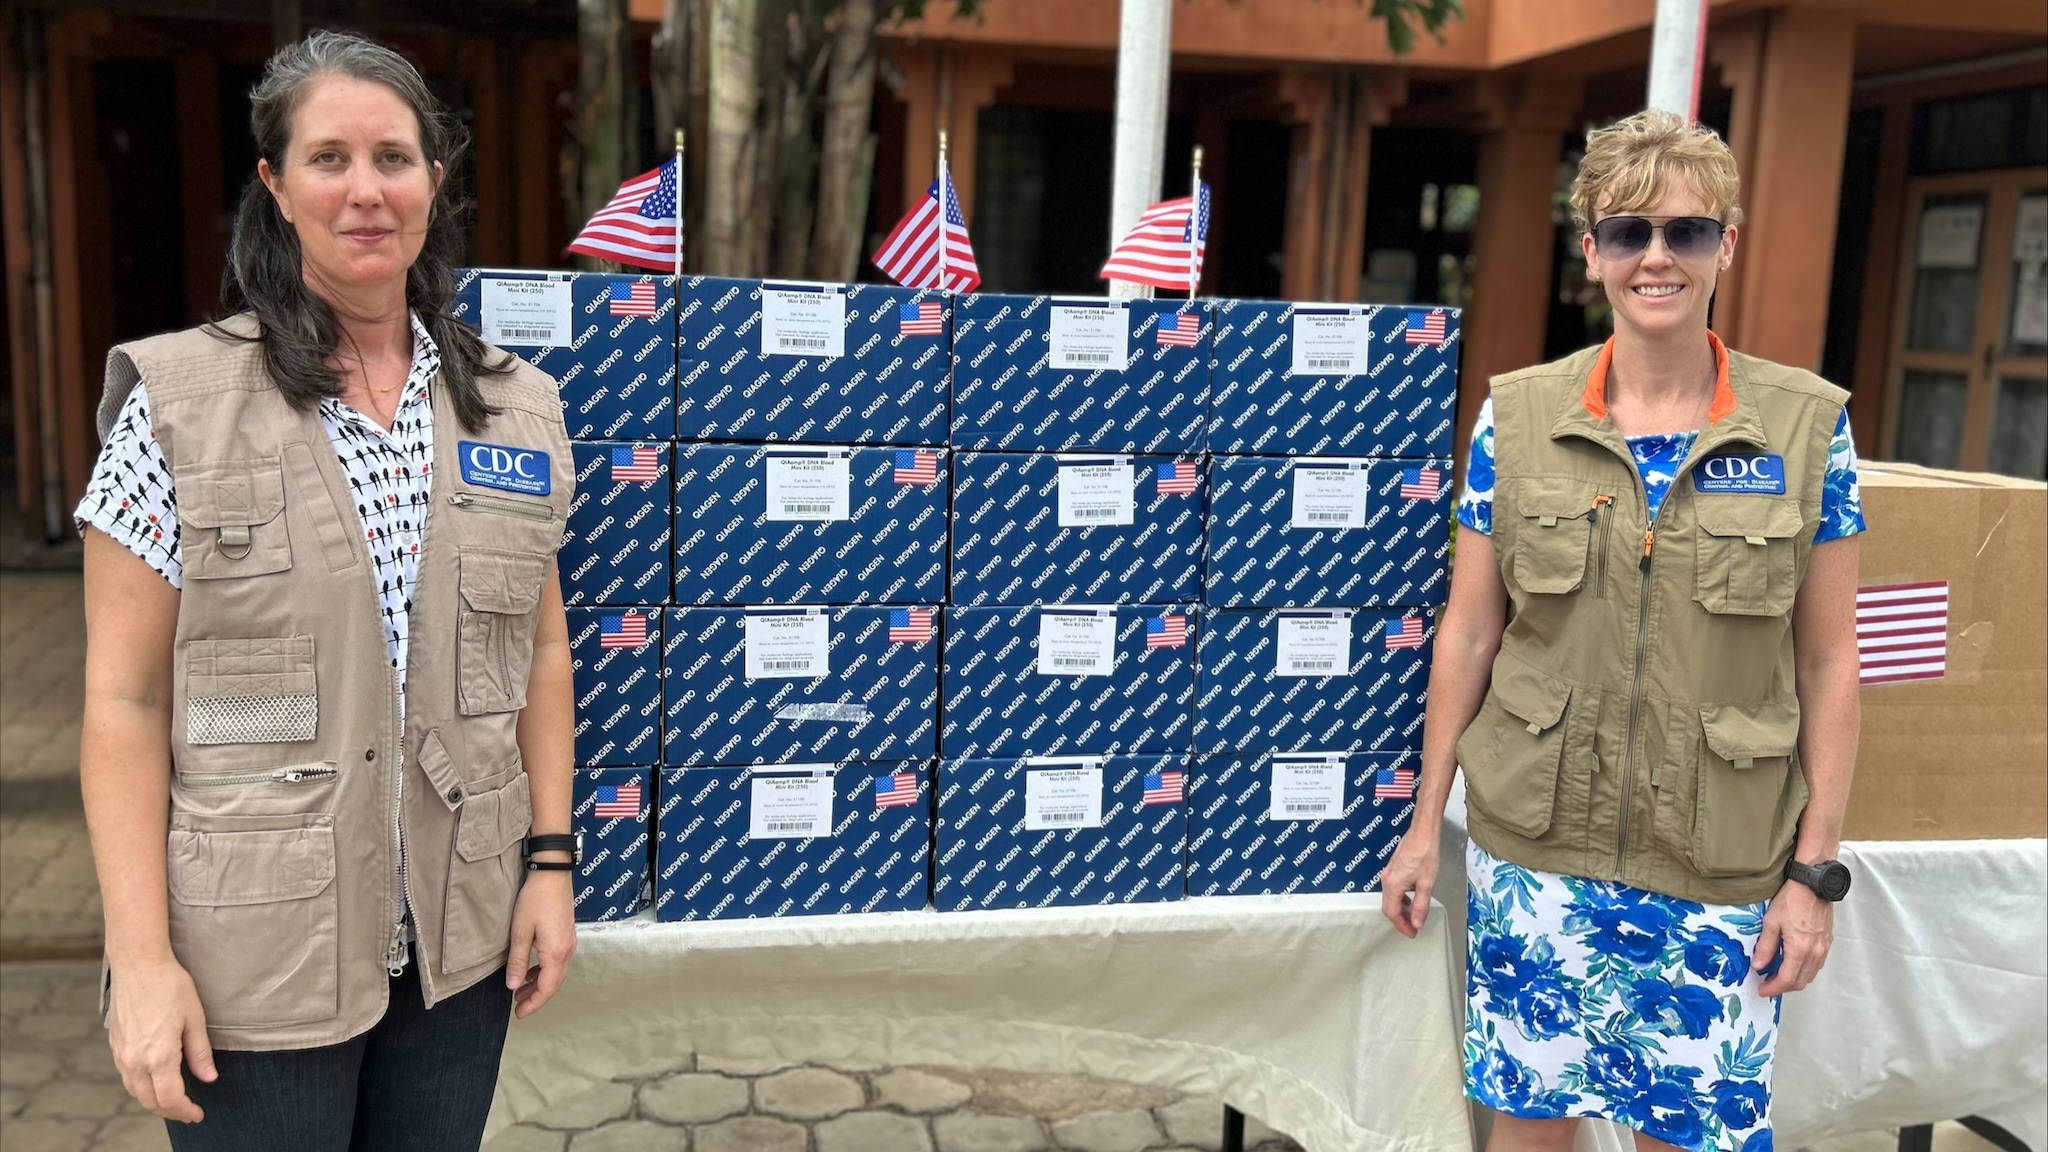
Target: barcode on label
786	665
1327	517
1303	808
1099	513
802	342
1061	817
1075	662
806	509
1315	362
1312	665
1090	357
790	825
526	333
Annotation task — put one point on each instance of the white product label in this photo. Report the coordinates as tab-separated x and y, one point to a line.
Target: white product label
1307	788
1095	492
813	486
527	313
803	321
1317	645
1074	643
836	713
1056	799
1329	496
788	645
1090	338
1331	343
791	806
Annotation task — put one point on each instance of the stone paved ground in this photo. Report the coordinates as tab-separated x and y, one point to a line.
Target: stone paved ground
49	902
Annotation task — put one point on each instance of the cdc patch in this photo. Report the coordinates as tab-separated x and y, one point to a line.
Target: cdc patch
611	810
1296	822
1761	474
1286	680
504	466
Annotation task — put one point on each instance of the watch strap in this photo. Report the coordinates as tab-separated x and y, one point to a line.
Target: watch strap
554	842
549	865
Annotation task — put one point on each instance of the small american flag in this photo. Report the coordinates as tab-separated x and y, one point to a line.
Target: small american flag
639	226
896	790
1902	632
1180	330
1168	631
1394	784
910	625
632	297
635	465
1405	633
929	247
1177	478
627	630
921	318
617	801
1164	787
1426	328
917	467
1422	483
1165	247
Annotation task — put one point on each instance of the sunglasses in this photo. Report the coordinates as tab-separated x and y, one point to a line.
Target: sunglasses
1687	237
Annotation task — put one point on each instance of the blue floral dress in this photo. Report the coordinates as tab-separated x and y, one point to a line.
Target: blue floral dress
1593	998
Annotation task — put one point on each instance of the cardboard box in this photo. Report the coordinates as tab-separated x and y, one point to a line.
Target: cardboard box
795	685
1110	383
1327	532
795	524
615	665
1063	679
1307	679
1333	379
795	361
793	840
1960	754
1041	528
611	808
608	339
616	548
1033	833
1329	826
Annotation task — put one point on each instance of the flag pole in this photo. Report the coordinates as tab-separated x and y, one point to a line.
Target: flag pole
1194	218
945	189
679	204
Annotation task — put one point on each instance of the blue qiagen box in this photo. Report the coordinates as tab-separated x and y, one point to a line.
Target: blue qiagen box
615	666
1310	679
1296	821
793	840
616	548
1327	532
1333	379
1034	528
1050	679
610	809
795	361
799	524
608	339
1038	832
1079	374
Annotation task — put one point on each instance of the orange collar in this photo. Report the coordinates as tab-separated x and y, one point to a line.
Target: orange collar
1595	396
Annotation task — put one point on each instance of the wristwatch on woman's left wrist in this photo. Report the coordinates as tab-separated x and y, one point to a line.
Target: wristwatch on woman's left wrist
570	842
1829	879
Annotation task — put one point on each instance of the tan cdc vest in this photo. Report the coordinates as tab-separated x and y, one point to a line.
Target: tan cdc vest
292	776
1642	723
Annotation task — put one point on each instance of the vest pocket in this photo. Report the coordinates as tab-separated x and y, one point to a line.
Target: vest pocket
1553	538
485	871
253	691
1746	564
1750	790
1516	786
500	604
254	917
232	512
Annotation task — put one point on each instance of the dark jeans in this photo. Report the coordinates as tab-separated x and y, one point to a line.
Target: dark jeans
417	1080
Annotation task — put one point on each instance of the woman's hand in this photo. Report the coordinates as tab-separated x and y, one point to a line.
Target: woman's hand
543	921
1801	923
155	1027
1407	882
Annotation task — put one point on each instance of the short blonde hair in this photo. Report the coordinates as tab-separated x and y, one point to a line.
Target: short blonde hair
1630	164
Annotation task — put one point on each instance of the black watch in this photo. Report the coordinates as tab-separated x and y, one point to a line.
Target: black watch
1829	879
570	842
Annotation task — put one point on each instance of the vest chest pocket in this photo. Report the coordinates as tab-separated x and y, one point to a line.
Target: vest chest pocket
1553	536
233	517
254	917
500	605
1750	790
1515	784
1746	562
255	691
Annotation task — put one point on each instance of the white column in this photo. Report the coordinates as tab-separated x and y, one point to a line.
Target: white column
1144	57
1676	51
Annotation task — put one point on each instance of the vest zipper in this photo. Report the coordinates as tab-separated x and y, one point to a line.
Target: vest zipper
1635	693
292	775
1600	501
524	508
397	955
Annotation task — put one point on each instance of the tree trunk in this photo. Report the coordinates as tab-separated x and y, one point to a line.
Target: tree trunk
606	128
850	94
730	158
799	168
699	125
669	68
773	66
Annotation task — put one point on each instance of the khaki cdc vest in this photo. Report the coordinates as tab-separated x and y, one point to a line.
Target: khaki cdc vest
1642	723
292	776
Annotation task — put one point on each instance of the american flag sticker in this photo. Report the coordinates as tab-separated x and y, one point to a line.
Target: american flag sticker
1902	632
626	630
1421	483
1426	327
917	467
921	318
1180	330
1168	631
617	801
1164	787
632	297
910	625
1405	633
1177	478
635	465
1394	784
896	790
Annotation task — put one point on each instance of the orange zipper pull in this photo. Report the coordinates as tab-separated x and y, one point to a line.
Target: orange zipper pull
1649	541
1600	501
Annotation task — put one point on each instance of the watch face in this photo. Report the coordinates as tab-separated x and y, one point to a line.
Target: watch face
1834	880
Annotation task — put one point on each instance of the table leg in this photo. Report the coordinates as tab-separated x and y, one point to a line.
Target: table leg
1916	1138
1233	1130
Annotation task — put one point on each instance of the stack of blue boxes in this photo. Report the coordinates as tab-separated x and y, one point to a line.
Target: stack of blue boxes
1329	487
1072	622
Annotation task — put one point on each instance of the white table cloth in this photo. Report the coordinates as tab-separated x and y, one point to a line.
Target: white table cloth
1308	1012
